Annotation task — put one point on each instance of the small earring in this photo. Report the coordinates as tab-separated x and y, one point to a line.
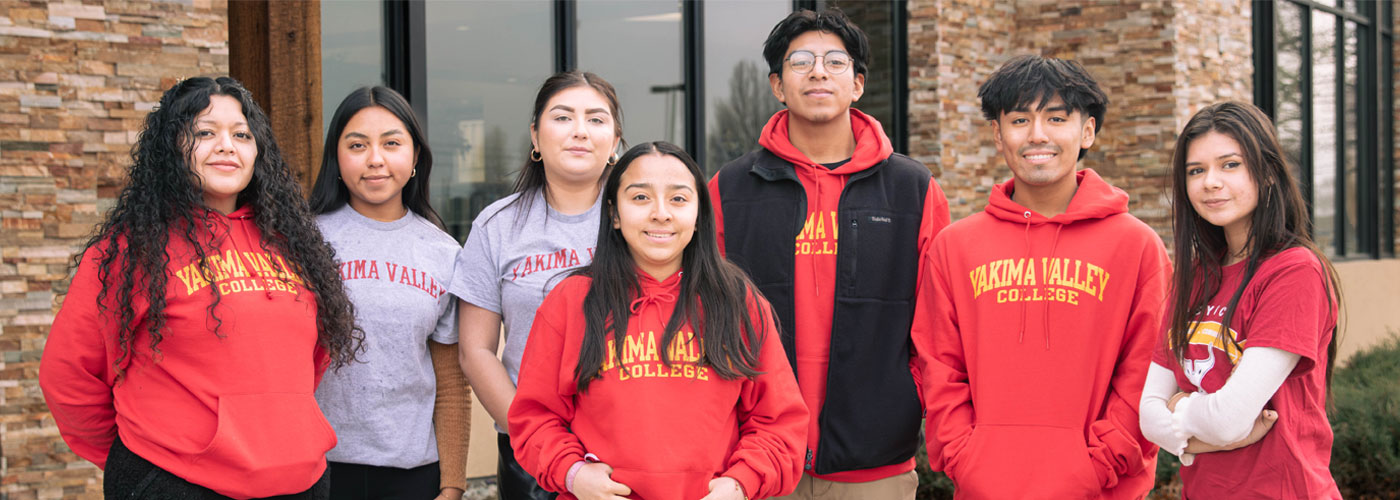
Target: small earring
415	172
535	155
612	160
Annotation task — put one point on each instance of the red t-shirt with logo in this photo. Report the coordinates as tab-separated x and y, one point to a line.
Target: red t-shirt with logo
1286	305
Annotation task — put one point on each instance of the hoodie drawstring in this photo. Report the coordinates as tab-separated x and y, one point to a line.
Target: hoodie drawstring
1045	320
1026	217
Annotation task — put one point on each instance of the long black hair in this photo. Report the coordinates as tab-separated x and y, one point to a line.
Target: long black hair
729	338
531	177
329	193
1280	221
163	199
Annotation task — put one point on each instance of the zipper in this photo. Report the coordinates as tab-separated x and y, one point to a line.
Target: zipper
808	464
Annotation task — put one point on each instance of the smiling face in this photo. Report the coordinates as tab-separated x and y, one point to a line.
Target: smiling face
1220	187
376	155
224	152
817	96
575	135
1041	146
657	206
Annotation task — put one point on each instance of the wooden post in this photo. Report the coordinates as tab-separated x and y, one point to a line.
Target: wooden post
275	50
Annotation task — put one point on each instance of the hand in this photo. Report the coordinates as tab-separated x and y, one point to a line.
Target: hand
1262	425
450	494
594	482
725	488
1171	403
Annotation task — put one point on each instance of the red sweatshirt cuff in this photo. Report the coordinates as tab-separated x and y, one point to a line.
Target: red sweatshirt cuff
747	478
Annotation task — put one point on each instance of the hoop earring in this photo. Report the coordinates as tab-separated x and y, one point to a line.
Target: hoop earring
612	160
535	155
415	172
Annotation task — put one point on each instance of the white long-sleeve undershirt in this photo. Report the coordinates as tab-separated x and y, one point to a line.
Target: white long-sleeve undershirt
1219	418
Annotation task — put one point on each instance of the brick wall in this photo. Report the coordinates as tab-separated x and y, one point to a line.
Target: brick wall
1158	61
76	80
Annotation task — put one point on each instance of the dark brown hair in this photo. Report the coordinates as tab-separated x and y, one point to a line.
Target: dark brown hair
1280	221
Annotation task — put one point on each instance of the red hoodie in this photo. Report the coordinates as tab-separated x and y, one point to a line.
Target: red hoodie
666	432
814	279
1039	331
231	410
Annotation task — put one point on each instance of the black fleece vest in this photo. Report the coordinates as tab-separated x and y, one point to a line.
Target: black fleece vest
872	411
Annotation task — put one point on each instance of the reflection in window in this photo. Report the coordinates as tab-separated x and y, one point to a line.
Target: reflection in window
739	99
1325	119
352	52
636	46
1288	86
1351	131
485	62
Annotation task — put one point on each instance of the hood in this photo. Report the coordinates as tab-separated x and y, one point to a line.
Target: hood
1095	199
872	145
653	292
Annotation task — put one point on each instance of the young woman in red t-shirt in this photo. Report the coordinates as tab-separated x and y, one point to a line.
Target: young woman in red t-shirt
1238	389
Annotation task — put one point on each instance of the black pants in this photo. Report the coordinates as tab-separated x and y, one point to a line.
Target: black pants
369	482
130	477
512	481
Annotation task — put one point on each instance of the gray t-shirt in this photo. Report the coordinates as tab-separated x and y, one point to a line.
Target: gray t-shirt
396	274
512	259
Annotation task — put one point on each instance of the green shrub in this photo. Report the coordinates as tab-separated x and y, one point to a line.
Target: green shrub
1366	423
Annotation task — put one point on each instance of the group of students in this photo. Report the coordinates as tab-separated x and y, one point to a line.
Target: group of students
780	331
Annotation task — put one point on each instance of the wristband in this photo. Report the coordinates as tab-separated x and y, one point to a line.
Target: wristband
573	471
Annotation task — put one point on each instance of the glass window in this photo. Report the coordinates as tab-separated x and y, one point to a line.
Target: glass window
636	46
1351	132
1325	121
485	62
352	51
1288	86
738	98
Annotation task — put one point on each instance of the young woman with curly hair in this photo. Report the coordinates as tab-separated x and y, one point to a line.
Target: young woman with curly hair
202	315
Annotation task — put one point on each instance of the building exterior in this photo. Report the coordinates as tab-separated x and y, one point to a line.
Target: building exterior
77	77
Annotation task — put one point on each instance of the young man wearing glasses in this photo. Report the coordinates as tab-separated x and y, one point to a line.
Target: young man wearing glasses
831	225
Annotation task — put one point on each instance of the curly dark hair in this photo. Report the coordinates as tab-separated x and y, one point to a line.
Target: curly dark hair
164	197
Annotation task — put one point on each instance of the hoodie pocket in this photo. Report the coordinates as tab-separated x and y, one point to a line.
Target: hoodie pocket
662	485
267	444
1025	461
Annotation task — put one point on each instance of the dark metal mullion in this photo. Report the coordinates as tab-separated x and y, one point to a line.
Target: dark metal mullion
1305	152
693	57
1339	198
899	63
1387	144
1265	61
406	54
565	35
1366	55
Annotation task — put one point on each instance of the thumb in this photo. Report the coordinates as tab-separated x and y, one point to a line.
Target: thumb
1270	415
618	489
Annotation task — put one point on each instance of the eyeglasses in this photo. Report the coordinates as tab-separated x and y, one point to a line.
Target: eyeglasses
835	62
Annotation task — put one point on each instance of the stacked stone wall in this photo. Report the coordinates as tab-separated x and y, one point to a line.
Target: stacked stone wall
954	45
76	81
1158	61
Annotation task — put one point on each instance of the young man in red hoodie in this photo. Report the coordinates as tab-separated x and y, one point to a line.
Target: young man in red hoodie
1038	315
832	225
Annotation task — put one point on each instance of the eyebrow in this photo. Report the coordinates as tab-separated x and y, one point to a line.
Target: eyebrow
648	185
212	122
1221	157
570	109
